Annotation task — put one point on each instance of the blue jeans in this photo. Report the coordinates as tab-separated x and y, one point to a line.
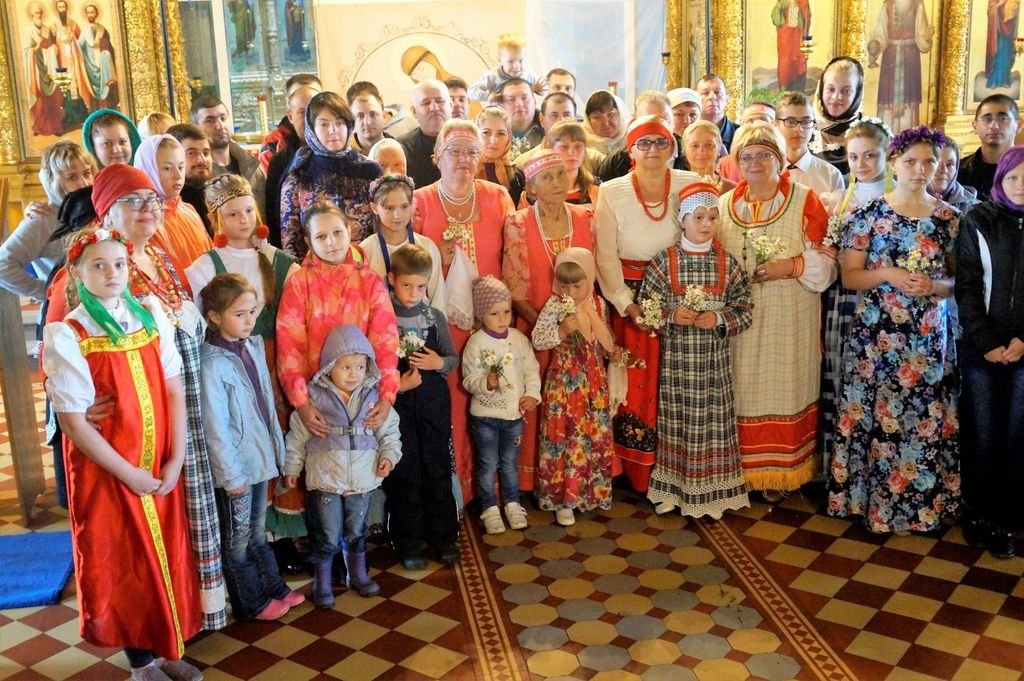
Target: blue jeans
340	523
250	569
497	449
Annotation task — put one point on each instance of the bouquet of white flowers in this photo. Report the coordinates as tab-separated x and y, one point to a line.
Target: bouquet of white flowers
566	306
696	298
459	233
834	231
767	247
653	313
490	361
409	345
914	262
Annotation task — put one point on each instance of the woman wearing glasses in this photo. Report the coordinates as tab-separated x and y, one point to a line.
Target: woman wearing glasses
774	228
327	169
465	217
635	221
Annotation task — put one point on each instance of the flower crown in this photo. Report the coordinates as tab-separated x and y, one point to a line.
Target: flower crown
75	252
388	178
877	122
912	136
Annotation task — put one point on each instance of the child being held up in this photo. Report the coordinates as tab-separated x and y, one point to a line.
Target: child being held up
346	466
500	371
511	57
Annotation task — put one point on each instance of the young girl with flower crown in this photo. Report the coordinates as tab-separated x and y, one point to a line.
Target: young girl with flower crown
139	591
574	470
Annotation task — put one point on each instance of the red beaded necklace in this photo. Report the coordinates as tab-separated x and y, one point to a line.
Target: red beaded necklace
663	203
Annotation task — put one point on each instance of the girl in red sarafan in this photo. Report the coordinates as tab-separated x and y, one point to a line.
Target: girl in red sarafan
140	592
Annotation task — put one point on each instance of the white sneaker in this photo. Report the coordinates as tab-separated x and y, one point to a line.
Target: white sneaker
663	507
516	515
565	517
493	524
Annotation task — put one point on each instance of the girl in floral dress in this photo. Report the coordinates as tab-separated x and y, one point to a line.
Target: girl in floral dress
896	457
574	468
707	294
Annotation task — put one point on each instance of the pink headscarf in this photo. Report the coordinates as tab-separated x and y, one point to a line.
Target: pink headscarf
145	159
591	324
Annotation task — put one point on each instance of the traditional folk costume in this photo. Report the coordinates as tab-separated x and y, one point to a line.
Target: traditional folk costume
141	590
777	363
698	466
574	470
896	457
528	270
628	234
478	255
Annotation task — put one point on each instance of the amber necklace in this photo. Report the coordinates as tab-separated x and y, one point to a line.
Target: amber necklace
165	289
648	206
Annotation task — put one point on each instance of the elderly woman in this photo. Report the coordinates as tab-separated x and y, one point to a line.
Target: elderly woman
774	228
605	122
126	200
837	103
182	234
495	162
65	167
701	142
327	169
635	221
464	216
534	236
569	140
390	155
944	184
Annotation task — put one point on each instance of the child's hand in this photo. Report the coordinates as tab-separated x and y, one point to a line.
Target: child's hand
378	412
706	320
569	326
541	86
617	354
684	316
492	382
410	379
141	482
240	491
291	481
527	403
426	359
168	479
314	420
101	408
383	468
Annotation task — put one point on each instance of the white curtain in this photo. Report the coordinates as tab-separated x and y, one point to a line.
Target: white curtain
599	41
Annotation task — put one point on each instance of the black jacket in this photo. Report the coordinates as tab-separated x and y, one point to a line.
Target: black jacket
996	232
974	172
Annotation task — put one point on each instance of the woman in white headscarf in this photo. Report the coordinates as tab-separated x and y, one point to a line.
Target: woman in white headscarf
605	119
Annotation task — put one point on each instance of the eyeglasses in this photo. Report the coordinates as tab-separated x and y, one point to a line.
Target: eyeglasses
804	123
747	159
137	202
999	119
645	143
464	153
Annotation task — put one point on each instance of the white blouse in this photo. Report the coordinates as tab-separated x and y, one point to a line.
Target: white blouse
435	285
69	382
244	261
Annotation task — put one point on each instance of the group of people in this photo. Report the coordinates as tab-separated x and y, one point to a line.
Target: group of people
520	303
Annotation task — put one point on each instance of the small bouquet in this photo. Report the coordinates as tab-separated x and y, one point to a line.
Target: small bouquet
628	360
409	345
490	361
653	313
914	262
565	307
696	298
459	233
834	231
767	248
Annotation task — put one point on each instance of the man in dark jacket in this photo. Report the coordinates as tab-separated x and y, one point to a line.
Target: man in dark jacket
996	122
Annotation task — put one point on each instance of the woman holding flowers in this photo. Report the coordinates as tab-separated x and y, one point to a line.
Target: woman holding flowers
635	221
774	228
895	459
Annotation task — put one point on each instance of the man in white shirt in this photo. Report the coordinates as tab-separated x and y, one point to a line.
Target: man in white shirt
795	120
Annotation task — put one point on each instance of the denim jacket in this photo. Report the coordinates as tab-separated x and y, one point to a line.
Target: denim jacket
242	449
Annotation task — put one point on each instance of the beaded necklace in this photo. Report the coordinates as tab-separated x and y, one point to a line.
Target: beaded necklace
164	287
645	205
545	240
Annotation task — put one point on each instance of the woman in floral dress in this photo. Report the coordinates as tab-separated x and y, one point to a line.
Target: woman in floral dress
575	464
896	459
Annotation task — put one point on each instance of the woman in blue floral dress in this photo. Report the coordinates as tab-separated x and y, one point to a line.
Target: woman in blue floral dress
896	459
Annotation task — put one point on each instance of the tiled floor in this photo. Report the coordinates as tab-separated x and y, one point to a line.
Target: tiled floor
768	593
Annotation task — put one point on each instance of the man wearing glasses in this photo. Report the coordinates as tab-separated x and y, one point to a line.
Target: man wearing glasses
795	120
996	123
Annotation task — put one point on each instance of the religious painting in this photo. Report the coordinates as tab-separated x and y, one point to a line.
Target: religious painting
992	50
67	60
902	61
696	46
298	47
243	24
791	56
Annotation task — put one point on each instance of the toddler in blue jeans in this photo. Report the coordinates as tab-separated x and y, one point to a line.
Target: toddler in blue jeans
501	373
246	447
345	467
